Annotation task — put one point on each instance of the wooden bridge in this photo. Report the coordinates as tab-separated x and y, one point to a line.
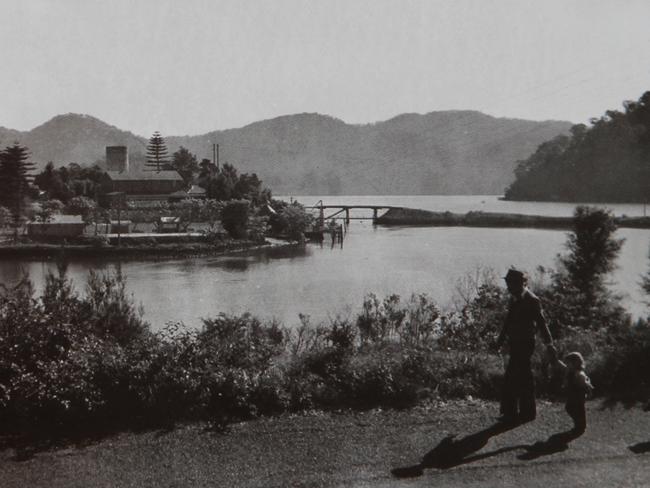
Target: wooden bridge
338	212
340	209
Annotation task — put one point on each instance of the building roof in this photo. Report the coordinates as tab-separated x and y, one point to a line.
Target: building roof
169	220
196	190
167	175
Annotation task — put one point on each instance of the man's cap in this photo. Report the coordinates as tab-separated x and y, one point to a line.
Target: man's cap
515	275
577	357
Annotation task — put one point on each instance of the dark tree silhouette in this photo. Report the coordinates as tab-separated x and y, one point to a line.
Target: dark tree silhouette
157	157
65	183
606	162
14	173
592	249
578	296
226	184
185	163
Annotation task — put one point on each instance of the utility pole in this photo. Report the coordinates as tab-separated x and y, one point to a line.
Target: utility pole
215	155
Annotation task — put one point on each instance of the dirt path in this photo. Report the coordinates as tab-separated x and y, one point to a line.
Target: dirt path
360	450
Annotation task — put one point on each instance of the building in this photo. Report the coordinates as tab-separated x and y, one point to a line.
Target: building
146	184
195	191
60	226
137	184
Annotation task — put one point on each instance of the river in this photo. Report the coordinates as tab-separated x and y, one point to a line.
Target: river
324	281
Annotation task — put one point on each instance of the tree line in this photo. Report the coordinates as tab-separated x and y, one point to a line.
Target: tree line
75	189
608	161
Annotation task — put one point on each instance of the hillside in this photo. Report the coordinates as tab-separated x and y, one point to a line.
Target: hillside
73	138
449	152
604	162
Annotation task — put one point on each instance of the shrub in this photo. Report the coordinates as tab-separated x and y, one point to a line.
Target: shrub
241	341
291	220
257	228
413	322
234	217
81	205
54	349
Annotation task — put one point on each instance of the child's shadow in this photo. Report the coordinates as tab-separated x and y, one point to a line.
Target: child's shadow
452	452
640	448
556	443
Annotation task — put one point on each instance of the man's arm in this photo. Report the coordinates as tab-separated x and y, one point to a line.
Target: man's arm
542	326
555	360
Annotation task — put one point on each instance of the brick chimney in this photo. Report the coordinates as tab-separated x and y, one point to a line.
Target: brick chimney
117	158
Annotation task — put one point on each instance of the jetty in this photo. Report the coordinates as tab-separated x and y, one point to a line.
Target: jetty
343	211
405	216
339	212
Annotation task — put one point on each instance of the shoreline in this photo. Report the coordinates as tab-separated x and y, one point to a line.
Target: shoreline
42	251
417	217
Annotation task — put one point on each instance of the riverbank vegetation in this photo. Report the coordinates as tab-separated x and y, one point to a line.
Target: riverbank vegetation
88	361
411	216
606	162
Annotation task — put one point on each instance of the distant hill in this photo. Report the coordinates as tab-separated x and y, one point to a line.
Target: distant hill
605	162
449	152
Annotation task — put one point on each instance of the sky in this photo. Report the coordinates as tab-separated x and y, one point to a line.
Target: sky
193	66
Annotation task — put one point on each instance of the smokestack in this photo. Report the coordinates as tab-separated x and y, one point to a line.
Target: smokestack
117	158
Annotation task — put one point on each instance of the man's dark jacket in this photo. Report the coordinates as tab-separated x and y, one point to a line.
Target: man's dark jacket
524	319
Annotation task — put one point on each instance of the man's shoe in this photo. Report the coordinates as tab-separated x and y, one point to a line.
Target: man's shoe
507	420
524	419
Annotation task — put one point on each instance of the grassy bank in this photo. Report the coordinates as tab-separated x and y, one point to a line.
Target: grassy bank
409	216
360	449
150	249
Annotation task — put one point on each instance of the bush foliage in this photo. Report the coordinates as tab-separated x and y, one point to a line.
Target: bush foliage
84	360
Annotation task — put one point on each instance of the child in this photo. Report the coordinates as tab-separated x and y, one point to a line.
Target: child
577	387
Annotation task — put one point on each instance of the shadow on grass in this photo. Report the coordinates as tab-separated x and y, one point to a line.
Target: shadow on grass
640	448
451	452
556	443
28	444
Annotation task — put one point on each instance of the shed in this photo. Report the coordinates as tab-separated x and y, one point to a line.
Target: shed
61	226
143	183
169	224
115	227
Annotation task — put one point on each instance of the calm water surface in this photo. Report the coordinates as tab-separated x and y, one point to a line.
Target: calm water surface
325	281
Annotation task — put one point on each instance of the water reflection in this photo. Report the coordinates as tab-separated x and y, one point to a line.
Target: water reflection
11	272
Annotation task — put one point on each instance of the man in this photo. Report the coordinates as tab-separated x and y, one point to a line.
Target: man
524	319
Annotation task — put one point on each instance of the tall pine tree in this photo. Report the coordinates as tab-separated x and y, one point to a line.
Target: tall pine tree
14	179
157	157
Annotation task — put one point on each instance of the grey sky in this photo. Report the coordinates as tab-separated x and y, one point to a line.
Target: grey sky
191	66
